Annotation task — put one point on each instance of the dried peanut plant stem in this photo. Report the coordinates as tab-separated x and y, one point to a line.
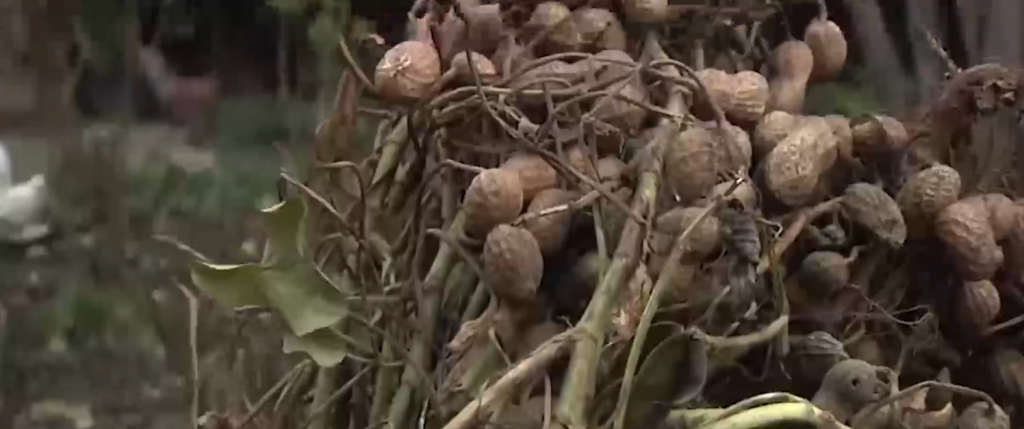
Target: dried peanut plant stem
579	386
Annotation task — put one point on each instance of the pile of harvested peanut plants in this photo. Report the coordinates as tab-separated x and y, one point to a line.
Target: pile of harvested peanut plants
562	226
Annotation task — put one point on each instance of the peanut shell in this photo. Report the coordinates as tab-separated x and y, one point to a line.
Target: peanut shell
407	71
1002	214
787	95
513	264
929	191
626	116
772	129
734	148
599	29
550	230
690	163
823	272
611	168
793	60
750	96
964	228
977	306
872	208
828	46
705	238
535	174
721	90
484	68
556	19
494	196
878	135
980	415
844	135
792	170
645	11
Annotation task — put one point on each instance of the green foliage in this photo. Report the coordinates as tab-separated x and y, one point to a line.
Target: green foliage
287	281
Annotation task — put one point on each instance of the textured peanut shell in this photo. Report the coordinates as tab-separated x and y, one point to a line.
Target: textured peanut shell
844	135
965	230
980	415
875	135
628	117
792	170
750	96
535	174
721	92
734	148
599	29
513	264
828	46
872	208
579	159
550	230
702	241
689	163
484	68
494	196
407	71
1002	214
645	11
555	19
929	191
787	95
611	168
822	273
772	129
977	306
792	60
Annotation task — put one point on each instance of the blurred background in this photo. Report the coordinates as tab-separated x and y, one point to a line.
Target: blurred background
156	122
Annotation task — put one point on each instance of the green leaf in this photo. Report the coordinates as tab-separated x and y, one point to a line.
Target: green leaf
306	299
285	226
286	281
324	346
232	286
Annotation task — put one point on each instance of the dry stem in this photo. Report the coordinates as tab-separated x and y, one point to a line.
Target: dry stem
667	277
503	389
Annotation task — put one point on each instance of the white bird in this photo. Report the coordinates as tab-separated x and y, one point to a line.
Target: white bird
23	206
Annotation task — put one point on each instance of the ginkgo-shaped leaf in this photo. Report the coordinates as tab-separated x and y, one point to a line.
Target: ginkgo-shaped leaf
324	346
286	281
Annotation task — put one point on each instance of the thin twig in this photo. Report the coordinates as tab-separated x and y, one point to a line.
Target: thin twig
803	218
277	387
350	60
316	413
467	257
905	393
193	326
502	389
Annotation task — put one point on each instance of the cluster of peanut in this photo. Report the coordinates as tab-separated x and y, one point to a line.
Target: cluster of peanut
553	107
